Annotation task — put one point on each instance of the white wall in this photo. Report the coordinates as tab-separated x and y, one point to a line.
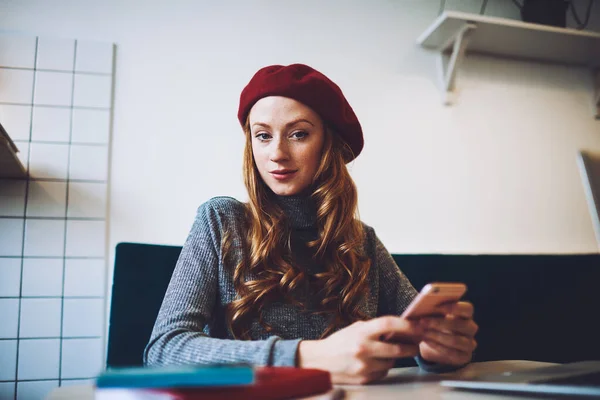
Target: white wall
495	173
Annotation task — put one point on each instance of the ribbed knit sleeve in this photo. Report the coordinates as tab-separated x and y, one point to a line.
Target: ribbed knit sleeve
395	290
191	328
178	336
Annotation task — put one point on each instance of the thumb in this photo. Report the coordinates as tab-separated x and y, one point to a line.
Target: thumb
377	327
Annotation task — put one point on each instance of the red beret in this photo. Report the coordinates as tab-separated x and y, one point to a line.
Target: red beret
310	87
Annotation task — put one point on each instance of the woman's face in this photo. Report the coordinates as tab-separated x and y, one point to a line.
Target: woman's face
287	140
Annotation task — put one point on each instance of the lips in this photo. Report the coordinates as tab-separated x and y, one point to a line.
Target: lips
282	174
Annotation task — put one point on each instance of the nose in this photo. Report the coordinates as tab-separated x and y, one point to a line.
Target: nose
279	150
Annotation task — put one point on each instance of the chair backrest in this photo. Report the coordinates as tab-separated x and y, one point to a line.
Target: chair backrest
141	276
531	307
528	307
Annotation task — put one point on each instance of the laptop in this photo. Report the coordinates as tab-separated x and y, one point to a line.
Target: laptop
573	379
589	168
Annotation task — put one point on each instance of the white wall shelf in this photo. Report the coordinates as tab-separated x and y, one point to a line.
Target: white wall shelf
457	33
10	165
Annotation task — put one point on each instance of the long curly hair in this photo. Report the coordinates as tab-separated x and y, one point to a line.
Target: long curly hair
267	272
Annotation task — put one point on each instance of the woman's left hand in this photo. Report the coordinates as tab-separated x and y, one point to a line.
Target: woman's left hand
450	339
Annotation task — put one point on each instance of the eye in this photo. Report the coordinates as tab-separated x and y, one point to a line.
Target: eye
262	136
300	134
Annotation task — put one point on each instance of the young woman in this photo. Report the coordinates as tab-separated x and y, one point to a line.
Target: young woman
292	277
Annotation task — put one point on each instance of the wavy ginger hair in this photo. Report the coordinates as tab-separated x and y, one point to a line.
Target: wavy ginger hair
267	273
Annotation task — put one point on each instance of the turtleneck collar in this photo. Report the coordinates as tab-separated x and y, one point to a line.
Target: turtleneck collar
301	210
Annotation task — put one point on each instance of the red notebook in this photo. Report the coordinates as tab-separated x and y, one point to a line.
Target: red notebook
272	383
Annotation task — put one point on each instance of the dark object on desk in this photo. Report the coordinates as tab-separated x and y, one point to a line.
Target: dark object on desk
177	376
272	383
574	379
546	12
214	382
528	307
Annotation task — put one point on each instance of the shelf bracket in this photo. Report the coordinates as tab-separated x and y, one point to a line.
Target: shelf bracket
459	42
596	76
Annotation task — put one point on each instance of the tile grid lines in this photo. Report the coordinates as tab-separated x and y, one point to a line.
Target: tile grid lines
7	103
27	199
61	180
56	257
54	218
107	304
51	380
52	297
24	223
62	302
56	337
57	142
59	70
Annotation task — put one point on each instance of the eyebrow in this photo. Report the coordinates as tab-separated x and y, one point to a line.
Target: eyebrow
292	123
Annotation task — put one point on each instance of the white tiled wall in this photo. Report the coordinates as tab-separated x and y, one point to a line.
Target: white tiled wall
56	54
53	88
51	124
15	119
35	389
55	102
17	86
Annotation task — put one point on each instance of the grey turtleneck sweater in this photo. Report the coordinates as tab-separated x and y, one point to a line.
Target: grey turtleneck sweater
191	328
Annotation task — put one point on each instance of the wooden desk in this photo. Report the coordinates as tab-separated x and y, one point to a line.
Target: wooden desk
412	383
401	383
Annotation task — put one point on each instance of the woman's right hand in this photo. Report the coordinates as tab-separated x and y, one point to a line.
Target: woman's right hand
356	354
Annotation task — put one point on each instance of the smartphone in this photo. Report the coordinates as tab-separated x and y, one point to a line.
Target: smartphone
428	303
434	295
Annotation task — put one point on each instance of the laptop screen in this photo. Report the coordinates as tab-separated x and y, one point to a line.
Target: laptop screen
589	168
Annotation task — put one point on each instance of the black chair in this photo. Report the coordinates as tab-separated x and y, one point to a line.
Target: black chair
141	276
531	307
528	307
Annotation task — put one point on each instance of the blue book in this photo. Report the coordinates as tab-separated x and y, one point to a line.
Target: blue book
177	376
